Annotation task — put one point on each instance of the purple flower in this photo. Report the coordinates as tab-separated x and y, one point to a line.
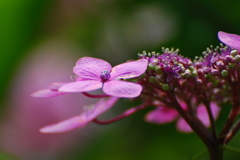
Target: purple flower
96	73
164	114
83	119
172	72
231	40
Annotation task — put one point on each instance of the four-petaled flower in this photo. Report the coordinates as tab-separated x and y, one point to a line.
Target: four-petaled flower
96	73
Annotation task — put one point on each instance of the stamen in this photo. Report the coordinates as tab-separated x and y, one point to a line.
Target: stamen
105	75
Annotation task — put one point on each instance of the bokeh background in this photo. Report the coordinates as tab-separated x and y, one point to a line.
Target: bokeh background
41	40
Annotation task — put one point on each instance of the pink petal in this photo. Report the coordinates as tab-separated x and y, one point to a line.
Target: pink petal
129	69
81	86
183	104
69	124
203	115
122	89
215	110
231	40
182	126
161	115
83	119
89	68
46	93
57	85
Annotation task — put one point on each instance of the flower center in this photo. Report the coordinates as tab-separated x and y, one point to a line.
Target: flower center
105	75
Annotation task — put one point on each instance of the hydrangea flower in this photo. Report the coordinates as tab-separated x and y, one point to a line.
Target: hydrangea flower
83	119
96	73
231	40
163	114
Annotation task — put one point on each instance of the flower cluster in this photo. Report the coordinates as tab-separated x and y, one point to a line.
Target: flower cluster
179	89
167	66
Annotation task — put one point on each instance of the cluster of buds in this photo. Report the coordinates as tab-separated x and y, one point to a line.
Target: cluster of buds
190	92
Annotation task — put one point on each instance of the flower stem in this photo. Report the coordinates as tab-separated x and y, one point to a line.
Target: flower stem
211	118
95	96
231	149
215	152
232	116
198	155
121	116
194	123
232	132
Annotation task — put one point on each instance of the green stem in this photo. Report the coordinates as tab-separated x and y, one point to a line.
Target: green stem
231	149
198	155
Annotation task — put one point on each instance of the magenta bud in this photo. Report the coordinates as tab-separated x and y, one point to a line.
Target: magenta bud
215	72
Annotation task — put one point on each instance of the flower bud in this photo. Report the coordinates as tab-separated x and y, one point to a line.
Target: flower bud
199	81
186	74
151	67
192	68
214	72
231	65
234	53
206	70
224	73
237	58
165	87
228	58
157	78
194	73
151	79
158	70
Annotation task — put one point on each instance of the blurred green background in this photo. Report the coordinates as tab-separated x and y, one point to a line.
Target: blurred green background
114	30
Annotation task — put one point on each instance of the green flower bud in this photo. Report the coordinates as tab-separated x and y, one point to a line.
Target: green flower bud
237	58
151	67
157	78
194	73
187	73
165	87
158	70
151	79
192	68
224	73
234	53
231	65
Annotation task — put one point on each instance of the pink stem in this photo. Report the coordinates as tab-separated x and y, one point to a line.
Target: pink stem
121	116
95	96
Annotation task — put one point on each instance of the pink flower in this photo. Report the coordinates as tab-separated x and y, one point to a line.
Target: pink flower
96	73
231	40
163	115
83	119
